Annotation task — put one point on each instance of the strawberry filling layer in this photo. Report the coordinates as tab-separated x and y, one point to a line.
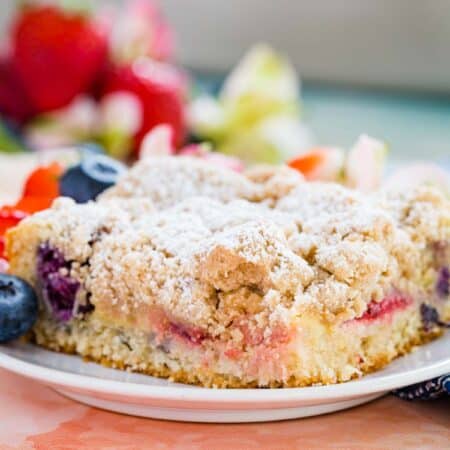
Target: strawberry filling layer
190	334
386	308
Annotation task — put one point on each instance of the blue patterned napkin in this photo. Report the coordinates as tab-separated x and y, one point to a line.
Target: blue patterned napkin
427	390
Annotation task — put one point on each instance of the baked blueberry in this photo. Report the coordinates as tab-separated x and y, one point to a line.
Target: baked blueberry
18	307
59	290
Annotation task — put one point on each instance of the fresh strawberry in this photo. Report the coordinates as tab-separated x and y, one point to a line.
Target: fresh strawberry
31	205
40	189
160	89
57	54
10	216
43	181
14	103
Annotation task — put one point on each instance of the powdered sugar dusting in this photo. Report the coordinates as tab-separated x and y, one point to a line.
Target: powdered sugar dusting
183	235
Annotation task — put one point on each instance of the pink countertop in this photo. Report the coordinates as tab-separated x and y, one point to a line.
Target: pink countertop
34	417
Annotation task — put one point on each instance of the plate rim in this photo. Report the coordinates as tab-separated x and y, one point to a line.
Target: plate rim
188	393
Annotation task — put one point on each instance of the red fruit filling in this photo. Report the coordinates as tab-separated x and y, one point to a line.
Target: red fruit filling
380	310
192	335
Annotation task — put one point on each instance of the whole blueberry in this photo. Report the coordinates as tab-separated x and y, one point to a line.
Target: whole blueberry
94	174
18	307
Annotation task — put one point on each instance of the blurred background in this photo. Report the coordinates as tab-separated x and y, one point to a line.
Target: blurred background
381	67
377	67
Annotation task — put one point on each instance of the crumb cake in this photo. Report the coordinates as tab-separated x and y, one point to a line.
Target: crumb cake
203	275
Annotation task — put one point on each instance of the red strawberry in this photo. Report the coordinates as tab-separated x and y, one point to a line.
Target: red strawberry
14	102
10	216
160	89
57	54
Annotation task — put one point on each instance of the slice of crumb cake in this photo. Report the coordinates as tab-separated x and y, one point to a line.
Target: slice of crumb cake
206	276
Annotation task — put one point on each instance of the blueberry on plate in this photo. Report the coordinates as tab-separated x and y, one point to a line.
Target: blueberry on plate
94	174
18	307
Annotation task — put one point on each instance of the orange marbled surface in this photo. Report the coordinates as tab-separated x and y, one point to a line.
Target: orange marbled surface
34	417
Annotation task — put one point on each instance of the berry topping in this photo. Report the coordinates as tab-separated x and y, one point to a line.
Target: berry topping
59	290
91	177
18	307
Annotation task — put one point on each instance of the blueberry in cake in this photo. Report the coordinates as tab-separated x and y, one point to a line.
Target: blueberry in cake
193	272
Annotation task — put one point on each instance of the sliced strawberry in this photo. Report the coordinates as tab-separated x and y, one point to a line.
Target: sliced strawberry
10	216
30	205
308	162
44	181
40	189
57	54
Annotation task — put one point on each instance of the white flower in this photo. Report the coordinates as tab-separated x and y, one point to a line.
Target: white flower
256	116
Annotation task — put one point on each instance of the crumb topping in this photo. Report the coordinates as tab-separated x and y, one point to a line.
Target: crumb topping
212	247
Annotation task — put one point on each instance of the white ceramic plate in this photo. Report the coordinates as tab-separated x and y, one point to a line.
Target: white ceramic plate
146	396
